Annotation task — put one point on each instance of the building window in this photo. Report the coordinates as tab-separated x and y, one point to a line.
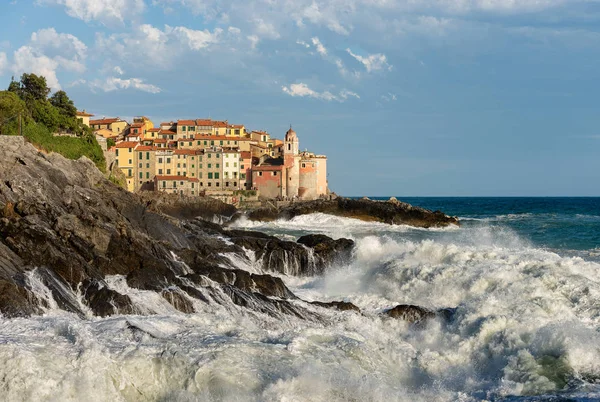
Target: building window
147	166
274	173
200	174
117	153
212	142
190	144
147	175
183	128
139	155
159	171
217	184
210	165
141	176
164	184
210	175
130	161
234	164
226	164
226	184
209	184
178	165
168	171
159	160
168	160
216	175
129	172
260	173
289	147
221	142
209	156
140	165
217	165
147	155
217	155
303	165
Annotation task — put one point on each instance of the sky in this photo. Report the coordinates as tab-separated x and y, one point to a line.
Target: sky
406	98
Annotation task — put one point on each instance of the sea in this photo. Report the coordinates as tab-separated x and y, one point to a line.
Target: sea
522	276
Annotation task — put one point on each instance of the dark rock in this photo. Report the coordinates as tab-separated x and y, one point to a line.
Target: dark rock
105	302
327	249
16	301
178	300
339	305
391	212
416	314
409	313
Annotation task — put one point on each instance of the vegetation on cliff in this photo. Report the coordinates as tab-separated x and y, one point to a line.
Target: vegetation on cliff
27	108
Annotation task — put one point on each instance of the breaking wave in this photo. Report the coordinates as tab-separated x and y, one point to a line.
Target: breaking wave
525	323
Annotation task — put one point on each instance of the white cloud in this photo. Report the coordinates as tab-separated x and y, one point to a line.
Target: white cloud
373	62
302	90
3	62
265	29
105	11
171	41
253	41
302	43
319	46
194	39
389	97
114	83
118	70
46	52
28	60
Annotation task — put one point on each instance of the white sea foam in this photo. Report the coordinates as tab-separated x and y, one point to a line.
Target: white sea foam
526	323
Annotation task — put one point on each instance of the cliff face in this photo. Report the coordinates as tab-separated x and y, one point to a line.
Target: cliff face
391	212
64	225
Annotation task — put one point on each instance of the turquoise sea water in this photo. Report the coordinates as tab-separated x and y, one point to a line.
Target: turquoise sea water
547	222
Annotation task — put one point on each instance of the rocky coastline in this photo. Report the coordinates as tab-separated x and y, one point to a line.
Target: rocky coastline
391	211
63	225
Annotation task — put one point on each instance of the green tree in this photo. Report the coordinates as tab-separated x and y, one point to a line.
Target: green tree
11	106
34	88
64	104
14	87
43	112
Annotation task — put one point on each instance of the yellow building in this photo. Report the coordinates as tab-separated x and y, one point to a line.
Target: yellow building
84	117
116	125
125	159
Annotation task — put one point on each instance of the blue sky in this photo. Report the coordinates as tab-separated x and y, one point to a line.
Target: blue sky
407	98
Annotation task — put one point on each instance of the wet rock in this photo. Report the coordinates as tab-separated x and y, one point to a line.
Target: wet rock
409	313
105	302
416	314
338	305
327	249
391	212
16	301
178	300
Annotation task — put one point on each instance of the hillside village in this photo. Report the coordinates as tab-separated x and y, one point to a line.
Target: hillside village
209	157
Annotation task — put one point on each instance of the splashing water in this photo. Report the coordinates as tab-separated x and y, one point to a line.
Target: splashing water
526	324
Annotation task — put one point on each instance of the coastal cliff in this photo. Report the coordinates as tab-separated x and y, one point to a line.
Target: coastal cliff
67	229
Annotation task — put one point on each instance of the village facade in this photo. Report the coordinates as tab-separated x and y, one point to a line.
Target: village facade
212	157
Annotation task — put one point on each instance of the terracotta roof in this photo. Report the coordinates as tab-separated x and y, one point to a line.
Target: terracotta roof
177	178
145	148
134	134
153	130
246	154
160	141
259	146
267	167
186	152
167	132
105	121
137	125
204	122
220	124
214	137
84	113
186	122
127	144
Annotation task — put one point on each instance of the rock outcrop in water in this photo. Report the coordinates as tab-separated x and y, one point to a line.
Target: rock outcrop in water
391	212
68	230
